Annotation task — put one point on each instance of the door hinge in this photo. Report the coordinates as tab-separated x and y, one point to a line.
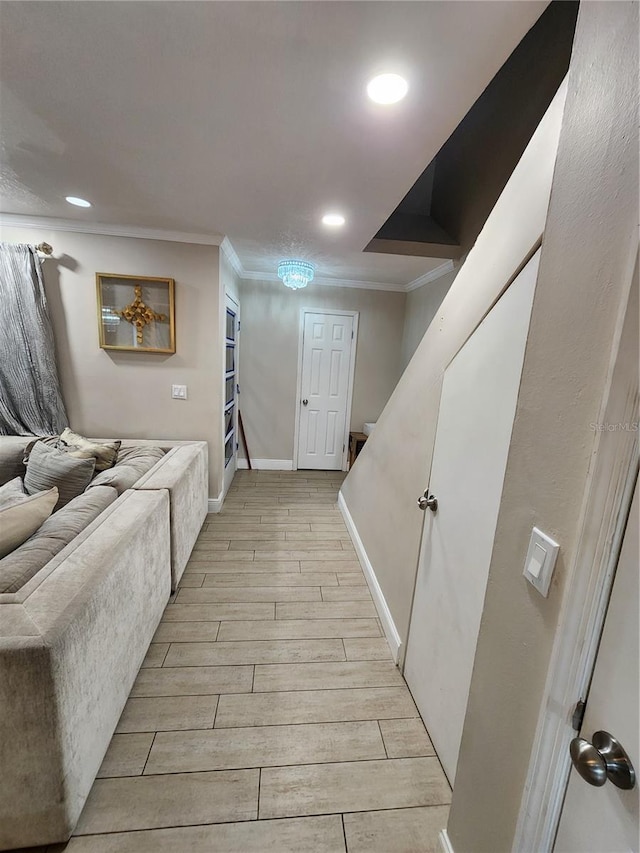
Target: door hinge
352	335
578	715
343	448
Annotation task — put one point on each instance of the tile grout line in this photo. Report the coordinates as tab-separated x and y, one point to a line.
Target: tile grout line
259	793
344	833
250	820
305	723
164	657
384	743
241	769
146	761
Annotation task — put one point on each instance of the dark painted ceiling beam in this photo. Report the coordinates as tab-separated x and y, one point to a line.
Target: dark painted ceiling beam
445	210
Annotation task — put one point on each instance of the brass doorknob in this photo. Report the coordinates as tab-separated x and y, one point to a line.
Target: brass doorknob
601	760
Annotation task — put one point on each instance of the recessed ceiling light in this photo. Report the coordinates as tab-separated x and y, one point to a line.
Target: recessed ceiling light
333	220
79	202
387	88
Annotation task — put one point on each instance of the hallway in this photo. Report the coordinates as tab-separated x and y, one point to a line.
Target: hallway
268	714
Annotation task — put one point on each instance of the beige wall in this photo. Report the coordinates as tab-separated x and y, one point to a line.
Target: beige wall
590	244
129	394
393	469
421	307
270	318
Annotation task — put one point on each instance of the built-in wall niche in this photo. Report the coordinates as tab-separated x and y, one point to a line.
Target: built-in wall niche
136	313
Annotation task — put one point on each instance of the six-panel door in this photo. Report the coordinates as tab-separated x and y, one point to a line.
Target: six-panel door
326	357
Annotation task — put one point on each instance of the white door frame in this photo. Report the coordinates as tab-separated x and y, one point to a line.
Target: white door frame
352	371
605	507
230	298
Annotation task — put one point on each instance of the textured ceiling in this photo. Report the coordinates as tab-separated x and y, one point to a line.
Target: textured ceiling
247	119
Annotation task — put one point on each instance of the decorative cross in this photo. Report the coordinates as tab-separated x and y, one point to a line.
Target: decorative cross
139	314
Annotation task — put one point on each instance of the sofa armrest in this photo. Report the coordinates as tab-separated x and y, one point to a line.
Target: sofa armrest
184	471
67	667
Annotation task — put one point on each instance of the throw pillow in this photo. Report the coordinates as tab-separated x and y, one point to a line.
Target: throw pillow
12	492
105	453
22	514
48	466
51	440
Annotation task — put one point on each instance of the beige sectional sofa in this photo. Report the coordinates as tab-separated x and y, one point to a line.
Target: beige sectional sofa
73	637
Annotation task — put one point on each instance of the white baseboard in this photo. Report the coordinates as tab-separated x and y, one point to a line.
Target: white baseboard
215	504
388	625
267	464
445	842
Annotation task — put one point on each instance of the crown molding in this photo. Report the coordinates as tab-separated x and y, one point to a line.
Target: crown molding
432	275
250	275
232	256
363	285
101	228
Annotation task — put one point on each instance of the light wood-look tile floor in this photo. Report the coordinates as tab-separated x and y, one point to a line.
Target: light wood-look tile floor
268	715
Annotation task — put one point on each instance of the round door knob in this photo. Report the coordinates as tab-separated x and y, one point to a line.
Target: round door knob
601	760
305	402
588	762
428	501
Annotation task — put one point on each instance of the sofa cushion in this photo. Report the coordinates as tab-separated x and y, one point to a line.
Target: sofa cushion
131	465
11	453
47	466
105	453
57	531
22	514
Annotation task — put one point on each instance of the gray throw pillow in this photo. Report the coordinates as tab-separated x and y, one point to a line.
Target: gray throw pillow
50	440
47	466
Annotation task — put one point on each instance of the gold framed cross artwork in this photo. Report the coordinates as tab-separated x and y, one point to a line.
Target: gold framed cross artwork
136	313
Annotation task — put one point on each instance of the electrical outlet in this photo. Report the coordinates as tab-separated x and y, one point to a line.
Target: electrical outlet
179	392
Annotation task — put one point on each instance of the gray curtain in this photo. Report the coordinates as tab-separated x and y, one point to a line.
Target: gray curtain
30	398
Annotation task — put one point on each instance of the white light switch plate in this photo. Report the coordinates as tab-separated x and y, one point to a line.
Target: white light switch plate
179	392
541	560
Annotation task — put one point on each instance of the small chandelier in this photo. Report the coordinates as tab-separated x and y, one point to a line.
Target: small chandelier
295	274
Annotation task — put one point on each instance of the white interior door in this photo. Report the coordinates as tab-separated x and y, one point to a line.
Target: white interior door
477	408
605	819
230	413
324	389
